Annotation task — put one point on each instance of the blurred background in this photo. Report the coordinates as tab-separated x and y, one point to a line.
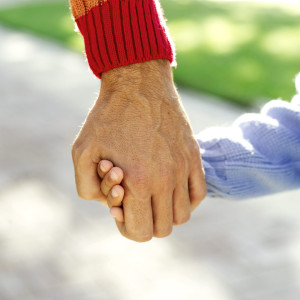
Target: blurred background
232	57
241	51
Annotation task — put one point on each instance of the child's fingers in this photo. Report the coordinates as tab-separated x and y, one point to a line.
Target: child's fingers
104	166
115	196
117	213
112	178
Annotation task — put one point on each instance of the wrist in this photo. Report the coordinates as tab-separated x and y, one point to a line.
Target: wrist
149	76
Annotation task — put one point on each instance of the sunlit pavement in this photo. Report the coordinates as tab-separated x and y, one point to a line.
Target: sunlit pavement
56	246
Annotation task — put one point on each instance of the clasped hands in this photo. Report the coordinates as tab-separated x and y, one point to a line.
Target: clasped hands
138	124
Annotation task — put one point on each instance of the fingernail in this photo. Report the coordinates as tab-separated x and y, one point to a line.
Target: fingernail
112	214
103	166
114	193
113	176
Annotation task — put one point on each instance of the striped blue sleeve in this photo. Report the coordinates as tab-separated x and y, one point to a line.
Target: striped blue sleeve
258	155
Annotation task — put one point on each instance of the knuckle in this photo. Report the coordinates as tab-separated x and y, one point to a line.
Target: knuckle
140	179
166	173
181	164
83	155
75	150
86	152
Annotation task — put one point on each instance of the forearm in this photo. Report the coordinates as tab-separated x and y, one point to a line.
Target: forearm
121	32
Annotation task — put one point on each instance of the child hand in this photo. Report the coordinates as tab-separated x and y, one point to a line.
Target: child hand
111	178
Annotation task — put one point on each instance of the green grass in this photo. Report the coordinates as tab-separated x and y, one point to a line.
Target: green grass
244	52
51	20
241	51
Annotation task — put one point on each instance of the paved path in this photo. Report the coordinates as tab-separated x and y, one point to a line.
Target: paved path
56	246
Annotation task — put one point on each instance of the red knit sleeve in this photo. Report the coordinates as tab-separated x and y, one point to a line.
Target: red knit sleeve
121	32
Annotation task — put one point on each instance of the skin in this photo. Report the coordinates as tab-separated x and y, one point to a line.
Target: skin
111	177
138	123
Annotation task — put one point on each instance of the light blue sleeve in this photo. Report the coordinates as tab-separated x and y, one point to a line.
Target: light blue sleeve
258	155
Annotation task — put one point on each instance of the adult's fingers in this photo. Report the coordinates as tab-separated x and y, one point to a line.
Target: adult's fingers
138	225
86	176
197	184
162	210
181	203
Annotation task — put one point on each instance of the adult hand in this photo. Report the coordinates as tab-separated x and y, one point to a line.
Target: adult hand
139	124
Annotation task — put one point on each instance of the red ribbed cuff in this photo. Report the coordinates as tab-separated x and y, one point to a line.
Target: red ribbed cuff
122	32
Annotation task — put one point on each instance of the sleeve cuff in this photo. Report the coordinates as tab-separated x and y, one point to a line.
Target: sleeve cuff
123	32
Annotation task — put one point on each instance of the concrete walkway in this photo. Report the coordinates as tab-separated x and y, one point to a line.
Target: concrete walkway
56	246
